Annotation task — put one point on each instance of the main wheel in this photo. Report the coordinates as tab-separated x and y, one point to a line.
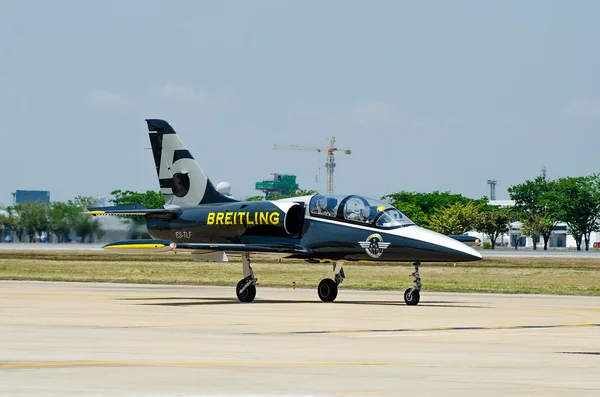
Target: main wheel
248	294
412	298
327	290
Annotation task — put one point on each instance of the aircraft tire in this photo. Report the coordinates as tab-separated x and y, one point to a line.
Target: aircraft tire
249	293
413	298
327	290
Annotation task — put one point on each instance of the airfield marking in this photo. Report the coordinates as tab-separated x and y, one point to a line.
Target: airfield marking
71	364
540	309
473	328
203	363
547	389
116	296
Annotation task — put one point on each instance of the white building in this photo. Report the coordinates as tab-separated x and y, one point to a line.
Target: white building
558	239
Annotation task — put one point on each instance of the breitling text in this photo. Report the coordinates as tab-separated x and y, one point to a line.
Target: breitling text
243	218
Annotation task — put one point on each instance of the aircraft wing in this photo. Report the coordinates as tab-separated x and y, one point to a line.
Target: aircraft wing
275	248
151	245
129	210
468	240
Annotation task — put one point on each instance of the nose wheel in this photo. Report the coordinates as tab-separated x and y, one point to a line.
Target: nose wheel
412	296
328	288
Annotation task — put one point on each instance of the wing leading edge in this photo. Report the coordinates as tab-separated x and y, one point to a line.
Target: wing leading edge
151	245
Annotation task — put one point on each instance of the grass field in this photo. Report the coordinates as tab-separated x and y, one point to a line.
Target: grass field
503	275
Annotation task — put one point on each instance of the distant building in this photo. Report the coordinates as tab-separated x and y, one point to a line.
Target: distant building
558	239
99	201
24	196
277	183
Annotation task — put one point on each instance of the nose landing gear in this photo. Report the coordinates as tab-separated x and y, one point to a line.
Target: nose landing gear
328	288
412	296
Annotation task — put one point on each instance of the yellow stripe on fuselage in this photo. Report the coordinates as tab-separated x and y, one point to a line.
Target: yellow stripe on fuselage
95	213
135	246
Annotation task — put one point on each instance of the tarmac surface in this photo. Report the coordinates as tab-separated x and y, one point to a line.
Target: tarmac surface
74	339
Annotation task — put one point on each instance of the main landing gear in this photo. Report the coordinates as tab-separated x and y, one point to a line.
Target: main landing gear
413	295
246	288
328	288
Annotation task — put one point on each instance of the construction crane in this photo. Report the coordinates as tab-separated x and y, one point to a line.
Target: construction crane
330	164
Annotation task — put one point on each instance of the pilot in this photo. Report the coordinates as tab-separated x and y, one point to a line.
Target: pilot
330	208
364	214
316	205
318	208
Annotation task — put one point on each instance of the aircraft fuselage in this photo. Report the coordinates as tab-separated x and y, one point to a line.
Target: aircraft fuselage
289	223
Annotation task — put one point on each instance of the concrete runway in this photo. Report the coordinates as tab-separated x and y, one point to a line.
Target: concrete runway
74	339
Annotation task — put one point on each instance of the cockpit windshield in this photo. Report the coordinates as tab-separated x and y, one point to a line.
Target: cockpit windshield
358	209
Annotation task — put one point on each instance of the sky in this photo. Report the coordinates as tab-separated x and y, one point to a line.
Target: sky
428	95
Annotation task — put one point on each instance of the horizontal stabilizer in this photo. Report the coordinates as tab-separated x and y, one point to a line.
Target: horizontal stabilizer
129	210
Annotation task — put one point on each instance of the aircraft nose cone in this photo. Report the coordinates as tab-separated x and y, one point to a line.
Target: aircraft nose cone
461	250
443	248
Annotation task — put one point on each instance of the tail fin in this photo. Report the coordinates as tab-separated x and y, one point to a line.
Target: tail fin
182	181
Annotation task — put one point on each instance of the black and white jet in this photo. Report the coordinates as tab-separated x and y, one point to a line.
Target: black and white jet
318	228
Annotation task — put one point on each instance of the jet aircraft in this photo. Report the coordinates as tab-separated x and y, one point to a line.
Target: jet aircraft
318	228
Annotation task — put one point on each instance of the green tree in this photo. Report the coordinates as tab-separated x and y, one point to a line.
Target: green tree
33	218
82	202
493	222
577	235
9	222
578	200
13	222
85	226
63	217
419	207
279	196
149	198
456	218
536	205
534	226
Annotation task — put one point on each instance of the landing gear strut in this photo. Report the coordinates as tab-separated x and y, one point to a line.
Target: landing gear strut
246	288
328	288
413	295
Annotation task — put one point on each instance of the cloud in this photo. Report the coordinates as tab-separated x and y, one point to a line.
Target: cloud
187	93
584	109
108	99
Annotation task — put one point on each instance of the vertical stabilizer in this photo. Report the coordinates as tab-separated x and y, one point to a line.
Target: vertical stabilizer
181	180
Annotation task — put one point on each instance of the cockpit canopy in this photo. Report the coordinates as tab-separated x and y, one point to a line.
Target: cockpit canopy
358	209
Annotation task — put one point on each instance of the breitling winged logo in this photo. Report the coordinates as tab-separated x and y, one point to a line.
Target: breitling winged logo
374	245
